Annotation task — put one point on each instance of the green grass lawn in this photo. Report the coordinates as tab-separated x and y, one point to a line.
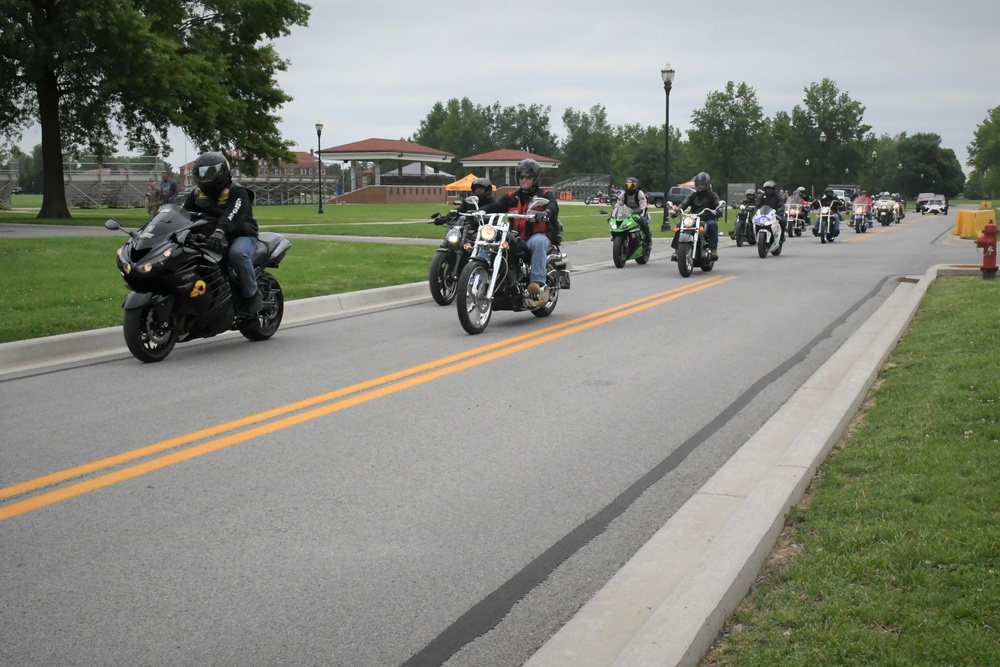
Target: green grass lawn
60	285
894	559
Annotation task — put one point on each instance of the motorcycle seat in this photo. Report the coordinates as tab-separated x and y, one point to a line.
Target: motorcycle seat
271	249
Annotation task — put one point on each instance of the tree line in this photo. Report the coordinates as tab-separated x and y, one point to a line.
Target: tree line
211	70
821	141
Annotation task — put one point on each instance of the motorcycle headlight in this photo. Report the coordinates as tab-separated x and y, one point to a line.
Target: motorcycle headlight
453	237
488	232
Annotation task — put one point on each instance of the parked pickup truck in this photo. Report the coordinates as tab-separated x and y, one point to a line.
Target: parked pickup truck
675	196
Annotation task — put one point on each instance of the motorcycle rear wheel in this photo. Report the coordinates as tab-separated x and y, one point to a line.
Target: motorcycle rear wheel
474	309
619	251
443	286
265	324
148	339
685	258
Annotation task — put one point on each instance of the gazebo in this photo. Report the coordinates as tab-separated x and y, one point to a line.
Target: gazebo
507	160
382	150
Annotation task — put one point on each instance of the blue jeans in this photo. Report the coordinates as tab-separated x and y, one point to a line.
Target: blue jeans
538	245
241	260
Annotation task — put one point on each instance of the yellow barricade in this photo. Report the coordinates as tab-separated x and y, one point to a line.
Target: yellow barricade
969	224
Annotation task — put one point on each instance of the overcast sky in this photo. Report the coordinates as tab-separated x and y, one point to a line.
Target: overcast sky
375	68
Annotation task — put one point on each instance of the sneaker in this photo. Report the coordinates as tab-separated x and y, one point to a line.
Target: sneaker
673	257
713	254
254	303
534	289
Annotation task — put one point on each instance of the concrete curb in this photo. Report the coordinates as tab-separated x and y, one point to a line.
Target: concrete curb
669	602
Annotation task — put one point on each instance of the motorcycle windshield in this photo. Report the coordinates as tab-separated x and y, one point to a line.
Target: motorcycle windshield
169	220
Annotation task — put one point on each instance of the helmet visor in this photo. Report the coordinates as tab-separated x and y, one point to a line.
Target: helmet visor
208	172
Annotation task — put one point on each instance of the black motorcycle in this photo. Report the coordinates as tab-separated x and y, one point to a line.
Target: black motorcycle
497	275
452	256
743	230
182	290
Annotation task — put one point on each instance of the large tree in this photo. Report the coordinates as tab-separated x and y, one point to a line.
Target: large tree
730	133
589	141
829	112
93	73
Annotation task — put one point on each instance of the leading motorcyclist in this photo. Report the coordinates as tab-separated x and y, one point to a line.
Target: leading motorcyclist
771	197
634	199
702	198
534	232
217	196
836	205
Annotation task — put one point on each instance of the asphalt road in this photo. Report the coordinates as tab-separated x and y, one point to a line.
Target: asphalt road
385	489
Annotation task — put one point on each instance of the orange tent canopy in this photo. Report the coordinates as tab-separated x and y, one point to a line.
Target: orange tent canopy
463	184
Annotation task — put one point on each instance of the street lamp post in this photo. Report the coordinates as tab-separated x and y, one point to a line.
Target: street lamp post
812	186
874	157
319	160
822	153
667	74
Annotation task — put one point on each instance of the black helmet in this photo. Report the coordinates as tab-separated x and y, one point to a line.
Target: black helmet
702	181
487	187
530	168
631	184
768	185
211	173
750	193
828	192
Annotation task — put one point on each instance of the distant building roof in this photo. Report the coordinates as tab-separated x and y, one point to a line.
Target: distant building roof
386	149
506	157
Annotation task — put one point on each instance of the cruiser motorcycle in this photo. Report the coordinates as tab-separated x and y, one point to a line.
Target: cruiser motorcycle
453	254
182	290
497	274
859	218
692	246
825	225
743	231
796	216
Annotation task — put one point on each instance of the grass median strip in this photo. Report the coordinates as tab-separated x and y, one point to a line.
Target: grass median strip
894	558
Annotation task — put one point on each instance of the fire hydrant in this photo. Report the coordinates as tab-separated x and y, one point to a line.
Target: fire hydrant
988	242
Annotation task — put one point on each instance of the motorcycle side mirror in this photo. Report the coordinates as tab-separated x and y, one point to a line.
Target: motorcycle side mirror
538	202
435	216
603	212
472	200
113	225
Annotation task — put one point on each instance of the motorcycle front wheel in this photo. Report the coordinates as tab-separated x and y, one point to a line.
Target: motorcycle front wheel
619	250
265	324
443	285
762	245
474	309
739	235
685	258
148	338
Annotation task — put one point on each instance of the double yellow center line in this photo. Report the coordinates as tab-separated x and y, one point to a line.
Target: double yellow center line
110	470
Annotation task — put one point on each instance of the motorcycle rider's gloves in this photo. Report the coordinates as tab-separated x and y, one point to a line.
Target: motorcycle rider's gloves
217	242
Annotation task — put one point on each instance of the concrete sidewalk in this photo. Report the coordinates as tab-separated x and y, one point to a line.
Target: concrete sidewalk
669	602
